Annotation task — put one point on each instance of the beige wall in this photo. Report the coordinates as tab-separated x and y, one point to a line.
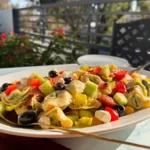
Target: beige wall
6	20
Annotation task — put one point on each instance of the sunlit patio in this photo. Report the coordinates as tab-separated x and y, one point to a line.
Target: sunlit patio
105	34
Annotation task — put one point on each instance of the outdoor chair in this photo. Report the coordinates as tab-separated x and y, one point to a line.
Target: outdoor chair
132	41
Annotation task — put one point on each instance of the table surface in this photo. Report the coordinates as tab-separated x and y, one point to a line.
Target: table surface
139	133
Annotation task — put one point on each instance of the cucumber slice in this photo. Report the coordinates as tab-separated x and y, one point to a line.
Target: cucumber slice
90	89
46	88
120	98
105	71
36	75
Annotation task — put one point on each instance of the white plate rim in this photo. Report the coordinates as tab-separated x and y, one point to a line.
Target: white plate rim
123	122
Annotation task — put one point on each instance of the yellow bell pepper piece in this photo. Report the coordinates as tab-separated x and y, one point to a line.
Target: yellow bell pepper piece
129	110
84	122
146	104
85	67
10	108
112	84
80	99
148	79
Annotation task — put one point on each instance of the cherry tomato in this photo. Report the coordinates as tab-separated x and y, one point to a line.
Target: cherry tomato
34	82
102	85
120	87
107	100
120	74
10	88
113	113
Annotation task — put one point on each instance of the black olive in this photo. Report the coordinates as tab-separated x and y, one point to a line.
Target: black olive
120	109
67	80
59	86
52	74
27	117
4	86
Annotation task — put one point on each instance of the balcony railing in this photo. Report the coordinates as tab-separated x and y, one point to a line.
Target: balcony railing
90	20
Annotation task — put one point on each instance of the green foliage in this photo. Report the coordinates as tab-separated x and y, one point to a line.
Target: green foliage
60	51
20	51
75	22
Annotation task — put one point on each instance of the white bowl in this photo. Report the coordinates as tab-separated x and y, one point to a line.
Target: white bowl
101	60
123	122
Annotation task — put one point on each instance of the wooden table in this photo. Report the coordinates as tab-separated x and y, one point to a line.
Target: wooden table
9	142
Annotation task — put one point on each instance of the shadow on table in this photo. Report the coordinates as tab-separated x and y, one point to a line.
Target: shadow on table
84	143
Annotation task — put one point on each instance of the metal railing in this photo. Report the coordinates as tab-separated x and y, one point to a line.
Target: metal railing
90	20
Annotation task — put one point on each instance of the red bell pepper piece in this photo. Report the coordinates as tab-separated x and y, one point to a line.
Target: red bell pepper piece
113	113
90	71
120	87
120	74
34	82
97	70
10	88
94	70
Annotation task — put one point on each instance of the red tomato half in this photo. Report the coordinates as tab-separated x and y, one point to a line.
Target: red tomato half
102	85
120	74
113	113
107	100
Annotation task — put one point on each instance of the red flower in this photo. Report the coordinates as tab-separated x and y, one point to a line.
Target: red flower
22	45
28	49
24	36
3	37
54	32
1	44
37	60
60	31
15	34
9	57
11	32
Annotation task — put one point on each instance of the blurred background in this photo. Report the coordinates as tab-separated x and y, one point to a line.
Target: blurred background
90	21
